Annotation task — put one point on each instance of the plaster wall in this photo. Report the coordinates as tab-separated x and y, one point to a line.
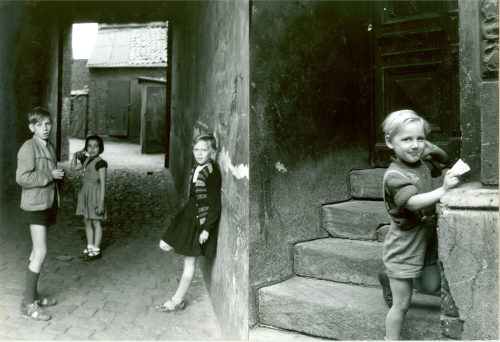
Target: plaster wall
210	95
98	96
478	53
10	27
30	78
310	123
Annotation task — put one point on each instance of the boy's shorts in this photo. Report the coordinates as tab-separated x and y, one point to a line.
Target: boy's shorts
45	217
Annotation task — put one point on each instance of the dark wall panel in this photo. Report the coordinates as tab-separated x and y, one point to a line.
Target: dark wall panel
310	122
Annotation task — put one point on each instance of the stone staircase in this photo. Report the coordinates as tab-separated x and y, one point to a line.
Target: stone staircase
334	292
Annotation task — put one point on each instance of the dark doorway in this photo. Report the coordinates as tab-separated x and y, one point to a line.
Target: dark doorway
416	67
118	107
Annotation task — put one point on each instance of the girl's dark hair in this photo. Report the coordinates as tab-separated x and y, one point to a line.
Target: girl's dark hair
38	114
99	142
209	138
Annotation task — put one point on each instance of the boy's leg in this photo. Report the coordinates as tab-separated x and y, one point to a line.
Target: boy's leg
430	281
386	287
39	240
401	299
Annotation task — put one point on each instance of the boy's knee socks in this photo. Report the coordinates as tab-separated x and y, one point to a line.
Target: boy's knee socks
30	293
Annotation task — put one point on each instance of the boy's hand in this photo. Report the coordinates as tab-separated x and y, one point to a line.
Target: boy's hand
450	180
429	149
203	237
58	173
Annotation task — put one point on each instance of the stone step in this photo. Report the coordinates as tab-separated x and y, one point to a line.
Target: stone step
341	260
367	183
262	333
342	311
355	219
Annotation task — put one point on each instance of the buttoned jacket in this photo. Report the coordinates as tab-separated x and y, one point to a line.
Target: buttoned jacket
35	163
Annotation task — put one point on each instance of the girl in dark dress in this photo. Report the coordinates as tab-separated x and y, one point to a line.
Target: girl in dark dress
193	232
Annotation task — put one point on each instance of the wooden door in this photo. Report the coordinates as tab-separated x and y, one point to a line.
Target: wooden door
416	67
153	116
118	104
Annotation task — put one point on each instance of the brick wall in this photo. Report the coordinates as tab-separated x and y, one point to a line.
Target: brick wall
80	74
98	91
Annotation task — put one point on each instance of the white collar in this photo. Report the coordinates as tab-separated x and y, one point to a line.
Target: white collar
197	171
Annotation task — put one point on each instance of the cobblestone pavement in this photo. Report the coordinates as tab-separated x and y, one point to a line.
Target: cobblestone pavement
111	298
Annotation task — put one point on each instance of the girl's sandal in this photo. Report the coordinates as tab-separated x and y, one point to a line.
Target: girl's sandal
170	306
86	251
92	255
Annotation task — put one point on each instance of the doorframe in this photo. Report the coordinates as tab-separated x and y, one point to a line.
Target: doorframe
168	95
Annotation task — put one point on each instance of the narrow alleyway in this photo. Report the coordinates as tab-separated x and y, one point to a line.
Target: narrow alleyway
111	298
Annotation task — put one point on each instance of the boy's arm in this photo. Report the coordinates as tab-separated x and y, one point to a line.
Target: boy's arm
26	174
435	152
421	201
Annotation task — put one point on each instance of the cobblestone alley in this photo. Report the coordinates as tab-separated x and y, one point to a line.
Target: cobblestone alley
113	297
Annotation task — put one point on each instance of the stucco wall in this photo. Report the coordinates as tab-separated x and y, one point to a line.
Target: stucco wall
310	121
98	91
10	25
210	94
29	78
468	249
478	52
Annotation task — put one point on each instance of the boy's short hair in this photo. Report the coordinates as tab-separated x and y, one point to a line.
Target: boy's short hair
209	138
38	114
99	140
395	120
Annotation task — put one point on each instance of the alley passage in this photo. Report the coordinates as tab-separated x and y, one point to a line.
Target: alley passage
111	298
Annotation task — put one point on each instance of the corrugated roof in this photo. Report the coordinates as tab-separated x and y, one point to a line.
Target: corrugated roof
130	46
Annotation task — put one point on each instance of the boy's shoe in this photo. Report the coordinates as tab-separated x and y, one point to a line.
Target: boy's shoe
34	311
170	306
46	300
386	287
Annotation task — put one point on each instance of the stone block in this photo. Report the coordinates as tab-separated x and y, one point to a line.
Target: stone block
79	333
471	196
342	311
468	249
452	327
339	260
367	183
382	232
268	334
355	219
489	130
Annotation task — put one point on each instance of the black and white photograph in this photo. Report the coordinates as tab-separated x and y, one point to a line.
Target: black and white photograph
262	170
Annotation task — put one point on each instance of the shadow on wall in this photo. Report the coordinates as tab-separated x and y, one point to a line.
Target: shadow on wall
314	71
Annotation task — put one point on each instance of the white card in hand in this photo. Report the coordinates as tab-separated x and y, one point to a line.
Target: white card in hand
460	167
